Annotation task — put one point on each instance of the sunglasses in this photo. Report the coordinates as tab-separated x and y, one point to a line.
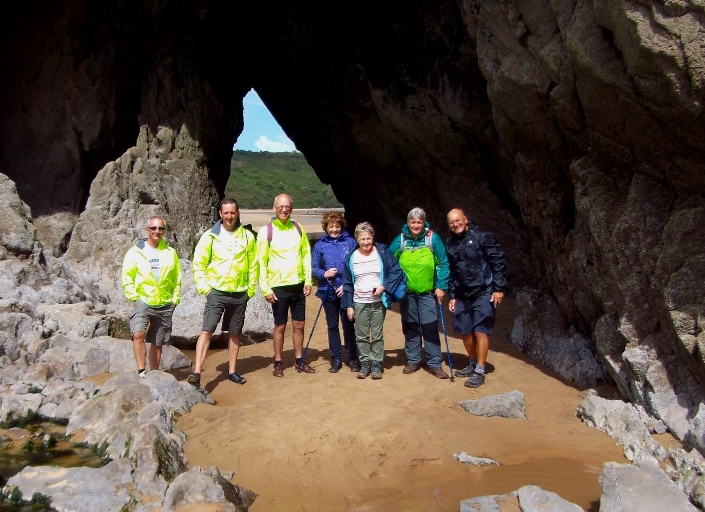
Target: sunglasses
156	228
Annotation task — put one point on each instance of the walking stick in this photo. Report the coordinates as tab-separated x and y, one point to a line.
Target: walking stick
445	335
303	356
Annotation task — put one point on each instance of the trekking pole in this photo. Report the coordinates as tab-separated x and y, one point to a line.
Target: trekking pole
445	335
303	356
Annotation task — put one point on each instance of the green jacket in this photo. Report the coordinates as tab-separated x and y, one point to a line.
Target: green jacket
138	281
225	263
426	268
284	261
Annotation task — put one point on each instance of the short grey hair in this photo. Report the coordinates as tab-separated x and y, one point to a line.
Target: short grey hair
149	220
364	227
416	213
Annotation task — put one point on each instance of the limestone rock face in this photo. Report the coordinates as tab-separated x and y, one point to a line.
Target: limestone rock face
574	130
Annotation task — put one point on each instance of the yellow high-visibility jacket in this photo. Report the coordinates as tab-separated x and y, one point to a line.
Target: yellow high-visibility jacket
139	283
286	259
225	262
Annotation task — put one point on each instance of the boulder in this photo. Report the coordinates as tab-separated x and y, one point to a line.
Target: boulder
642	487
529	498
76	489
206	486
507	405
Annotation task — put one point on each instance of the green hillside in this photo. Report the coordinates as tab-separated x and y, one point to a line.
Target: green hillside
257	177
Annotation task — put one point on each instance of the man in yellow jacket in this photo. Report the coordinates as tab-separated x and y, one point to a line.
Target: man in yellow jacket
225	271
151	278
284	258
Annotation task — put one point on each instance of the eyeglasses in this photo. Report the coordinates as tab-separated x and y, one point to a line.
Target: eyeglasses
156	228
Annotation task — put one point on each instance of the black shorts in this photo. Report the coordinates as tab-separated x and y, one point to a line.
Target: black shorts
474	315
292	298
230	305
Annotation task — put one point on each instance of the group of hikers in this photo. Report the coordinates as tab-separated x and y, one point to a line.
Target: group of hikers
358	279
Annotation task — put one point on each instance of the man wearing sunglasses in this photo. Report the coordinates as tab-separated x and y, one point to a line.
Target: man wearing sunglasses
151	278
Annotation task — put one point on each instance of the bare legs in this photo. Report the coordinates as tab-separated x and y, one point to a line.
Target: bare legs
204	343
297	337
140	351
477	345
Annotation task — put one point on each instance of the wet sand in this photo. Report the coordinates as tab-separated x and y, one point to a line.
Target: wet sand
332	442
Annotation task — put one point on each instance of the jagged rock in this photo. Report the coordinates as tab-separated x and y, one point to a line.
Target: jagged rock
17	234
507	405
531	114
474	461
122	359
119	420
77	489
529	498
125	194
642	487
539	331
53	364
61	398
206	486
622	422
18	408
629	425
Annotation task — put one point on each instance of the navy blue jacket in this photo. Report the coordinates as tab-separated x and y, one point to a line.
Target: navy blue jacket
392	277
329	253
475	269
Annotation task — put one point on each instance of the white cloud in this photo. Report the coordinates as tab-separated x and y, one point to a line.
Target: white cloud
273	146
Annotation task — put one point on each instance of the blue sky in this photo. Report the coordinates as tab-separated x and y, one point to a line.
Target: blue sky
261	131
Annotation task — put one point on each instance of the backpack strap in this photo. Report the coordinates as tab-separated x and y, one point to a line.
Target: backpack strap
270	230
429	240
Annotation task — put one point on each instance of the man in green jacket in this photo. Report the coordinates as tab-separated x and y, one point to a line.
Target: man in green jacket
284	258
422	257
225	271
151	278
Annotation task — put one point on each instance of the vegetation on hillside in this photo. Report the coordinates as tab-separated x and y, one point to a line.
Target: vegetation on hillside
257	177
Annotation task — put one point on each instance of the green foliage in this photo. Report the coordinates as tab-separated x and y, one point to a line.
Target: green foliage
41	499
15	496
31	418
257	177
130	507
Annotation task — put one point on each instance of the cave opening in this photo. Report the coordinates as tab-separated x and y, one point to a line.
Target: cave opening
266	162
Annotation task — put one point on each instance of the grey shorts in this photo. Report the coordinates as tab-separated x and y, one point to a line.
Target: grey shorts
229	305
154	321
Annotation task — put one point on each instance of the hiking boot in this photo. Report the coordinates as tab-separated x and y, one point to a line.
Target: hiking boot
304	368
465	372
194	378
410	368
364	370
376	370
236	378
354	365
437	372
476	380
278	371
335	365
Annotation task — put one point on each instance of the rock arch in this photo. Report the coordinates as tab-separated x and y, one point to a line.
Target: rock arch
574	130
